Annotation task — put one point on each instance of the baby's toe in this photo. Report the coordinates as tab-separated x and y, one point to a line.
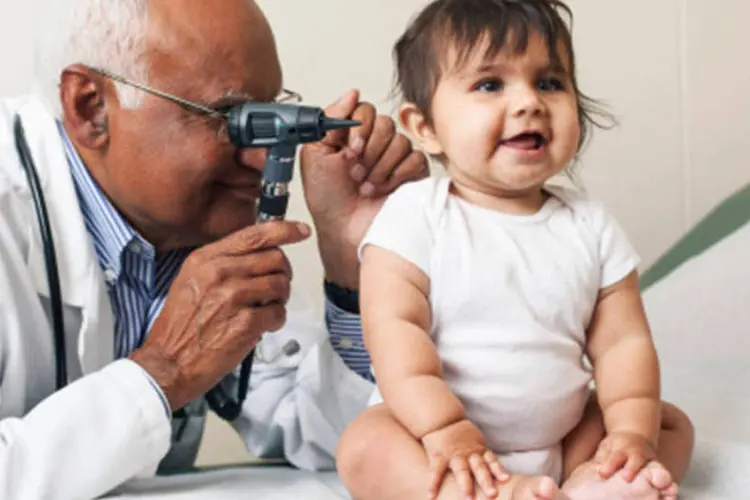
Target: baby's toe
658	476
670	492
537	488
546	488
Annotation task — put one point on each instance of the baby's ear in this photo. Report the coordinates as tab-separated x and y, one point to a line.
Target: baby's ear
412	120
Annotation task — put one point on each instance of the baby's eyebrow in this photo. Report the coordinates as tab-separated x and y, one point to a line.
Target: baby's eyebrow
491	66
548	69
556	67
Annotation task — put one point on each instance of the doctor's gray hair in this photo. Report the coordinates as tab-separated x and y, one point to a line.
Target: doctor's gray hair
108	34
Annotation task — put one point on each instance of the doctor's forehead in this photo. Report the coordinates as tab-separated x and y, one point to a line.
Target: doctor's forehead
209	48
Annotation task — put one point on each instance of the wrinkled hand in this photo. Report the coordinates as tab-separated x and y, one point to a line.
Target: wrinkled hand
226	295
461	449
346	178
628	452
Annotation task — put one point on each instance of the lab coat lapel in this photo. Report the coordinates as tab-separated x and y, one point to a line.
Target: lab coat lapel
81	280
96	338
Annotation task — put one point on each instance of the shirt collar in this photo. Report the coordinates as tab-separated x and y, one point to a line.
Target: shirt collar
111	233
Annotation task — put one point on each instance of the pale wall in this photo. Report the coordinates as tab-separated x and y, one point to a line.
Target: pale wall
673	71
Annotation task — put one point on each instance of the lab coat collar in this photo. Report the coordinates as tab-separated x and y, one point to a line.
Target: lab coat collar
81	279
73	248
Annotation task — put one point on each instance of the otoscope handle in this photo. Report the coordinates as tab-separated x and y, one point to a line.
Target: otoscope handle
273	207
278	173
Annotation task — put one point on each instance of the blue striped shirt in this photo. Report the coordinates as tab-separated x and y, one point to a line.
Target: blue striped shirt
137	278
346	337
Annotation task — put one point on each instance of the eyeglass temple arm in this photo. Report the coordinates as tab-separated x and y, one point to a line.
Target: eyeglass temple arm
182	102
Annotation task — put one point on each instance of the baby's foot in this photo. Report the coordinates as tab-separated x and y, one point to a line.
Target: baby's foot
661	480
536	488
652	483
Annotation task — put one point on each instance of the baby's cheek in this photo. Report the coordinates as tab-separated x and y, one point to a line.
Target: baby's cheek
568	133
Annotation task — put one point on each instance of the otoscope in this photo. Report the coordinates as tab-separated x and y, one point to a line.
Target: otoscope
280	128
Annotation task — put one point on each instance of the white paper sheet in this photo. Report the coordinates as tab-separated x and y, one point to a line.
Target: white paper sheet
259	483
720	471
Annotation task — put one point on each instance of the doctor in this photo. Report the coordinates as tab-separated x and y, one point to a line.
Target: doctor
166	283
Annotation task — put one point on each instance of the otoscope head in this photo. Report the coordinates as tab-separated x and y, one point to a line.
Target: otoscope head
267	124
280	128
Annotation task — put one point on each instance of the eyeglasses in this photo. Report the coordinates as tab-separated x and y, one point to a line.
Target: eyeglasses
285	97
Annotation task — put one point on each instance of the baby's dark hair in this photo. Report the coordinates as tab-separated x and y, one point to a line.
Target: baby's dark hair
462	25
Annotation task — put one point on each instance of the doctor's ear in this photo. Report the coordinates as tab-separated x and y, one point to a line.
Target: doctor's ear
83	100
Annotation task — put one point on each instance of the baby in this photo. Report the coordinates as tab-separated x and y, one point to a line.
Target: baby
483	291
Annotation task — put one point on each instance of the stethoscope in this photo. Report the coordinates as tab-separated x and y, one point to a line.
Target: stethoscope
217	399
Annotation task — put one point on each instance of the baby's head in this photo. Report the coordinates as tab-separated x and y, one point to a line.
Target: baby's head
489	87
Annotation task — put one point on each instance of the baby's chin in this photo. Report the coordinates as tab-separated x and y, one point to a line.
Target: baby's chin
520	181
504	179
522	176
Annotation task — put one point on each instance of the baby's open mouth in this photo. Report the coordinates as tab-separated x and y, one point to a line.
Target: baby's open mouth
527	141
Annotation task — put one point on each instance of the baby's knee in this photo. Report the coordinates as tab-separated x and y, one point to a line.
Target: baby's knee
358	446
674	419
350	452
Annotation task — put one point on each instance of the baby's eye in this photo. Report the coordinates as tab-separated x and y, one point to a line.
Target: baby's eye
550	84
489	85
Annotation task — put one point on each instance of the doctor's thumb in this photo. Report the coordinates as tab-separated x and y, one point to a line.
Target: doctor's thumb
344	106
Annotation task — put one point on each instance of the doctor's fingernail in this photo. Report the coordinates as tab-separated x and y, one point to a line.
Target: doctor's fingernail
367	189
358	145
359	172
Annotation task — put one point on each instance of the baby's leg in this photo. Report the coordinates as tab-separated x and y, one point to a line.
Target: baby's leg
675	446
581	444
674	453
378	459
675	441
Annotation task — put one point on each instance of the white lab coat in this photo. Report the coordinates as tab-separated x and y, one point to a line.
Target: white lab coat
109	425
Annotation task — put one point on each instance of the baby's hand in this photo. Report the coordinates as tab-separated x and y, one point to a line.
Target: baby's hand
622	450
461	448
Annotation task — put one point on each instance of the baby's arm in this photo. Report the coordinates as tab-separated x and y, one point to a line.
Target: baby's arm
626	371
396	323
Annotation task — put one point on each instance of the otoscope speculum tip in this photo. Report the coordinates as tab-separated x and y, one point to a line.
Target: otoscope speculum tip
335	123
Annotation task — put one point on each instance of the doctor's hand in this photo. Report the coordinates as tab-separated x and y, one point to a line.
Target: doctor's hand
346	178
226	295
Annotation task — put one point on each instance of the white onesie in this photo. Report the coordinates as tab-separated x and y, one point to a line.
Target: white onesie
511	299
